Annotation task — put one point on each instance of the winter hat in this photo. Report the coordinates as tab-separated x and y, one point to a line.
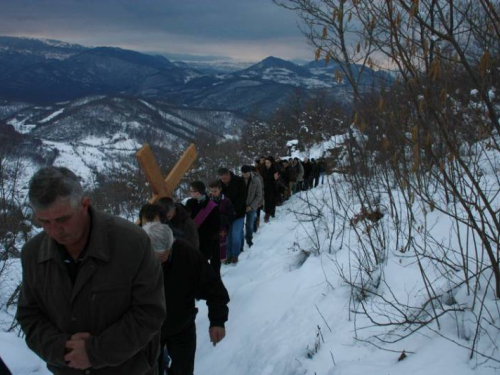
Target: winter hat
161	236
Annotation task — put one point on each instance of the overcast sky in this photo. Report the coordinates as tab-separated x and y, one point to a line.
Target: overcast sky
241	29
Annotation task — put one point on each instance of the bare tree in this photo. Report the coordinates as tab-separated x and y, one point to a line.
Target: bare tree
429	141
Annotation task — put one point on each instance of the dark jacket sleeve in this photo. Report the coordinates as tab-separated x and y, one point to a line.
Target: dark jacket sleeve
212	289
240	200
141	323
42	336
191	233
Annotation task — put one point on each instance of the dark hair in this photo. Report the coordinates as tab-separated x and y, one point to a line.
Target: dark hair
198	186
150	211
246	169
223	171
166	203
257	161
215	184
51	183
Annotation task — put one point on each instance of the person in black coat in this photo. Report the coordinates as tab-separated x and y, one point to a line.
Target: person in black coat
187	276
314	177
234	188
179	220
307	173
205	214
270	191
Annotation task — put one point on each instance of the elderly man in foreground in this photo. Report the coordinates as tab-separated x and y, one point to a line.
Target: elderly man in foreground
92	298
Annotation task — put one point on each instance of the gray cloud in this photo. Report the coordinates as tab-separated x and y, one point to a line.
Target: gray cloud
246	29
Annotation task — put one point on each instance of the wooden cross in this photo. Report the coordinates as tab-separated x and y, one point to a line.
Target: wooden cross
164	187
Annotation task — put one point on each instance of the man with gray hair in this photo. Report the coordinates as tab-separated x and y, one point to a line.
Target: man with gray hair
187	276
92	298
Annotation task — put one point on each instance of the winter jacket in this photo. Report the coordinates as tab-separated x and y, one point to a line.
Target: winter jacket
188	276
254	191
235	190
300	171
307	169
208	231
118	295
184	227
226	211
314	170
226	215
261	169
270	191
290	174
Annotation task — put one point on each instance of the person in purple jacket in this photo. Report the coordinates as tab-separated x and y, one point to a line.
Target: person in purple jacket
205	214
226	215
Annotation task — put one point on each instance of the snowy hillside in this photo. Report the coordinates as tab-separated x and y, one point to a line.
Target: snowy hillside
98	133
291	311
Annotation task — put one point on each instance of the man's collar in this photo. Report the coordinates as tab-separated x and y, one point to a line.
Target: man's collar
98	243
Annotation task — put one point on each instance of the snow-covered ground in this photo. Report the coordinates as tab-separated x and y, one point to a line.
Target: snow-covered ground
291	312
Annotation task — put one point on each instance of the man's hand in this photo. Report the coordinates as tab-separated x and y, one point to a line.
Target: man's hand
80	336
216	334
77	357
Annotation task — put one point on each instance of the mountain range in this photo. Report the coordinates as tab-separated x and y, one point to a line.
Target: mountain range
48	71
66	104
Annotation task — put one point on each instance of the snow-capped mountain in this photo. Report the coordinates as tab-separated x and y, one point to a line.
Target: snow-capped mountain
43	77
46	72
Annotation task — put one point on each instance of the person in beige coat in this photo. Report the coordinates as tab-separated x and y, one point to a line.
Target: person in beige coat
92	298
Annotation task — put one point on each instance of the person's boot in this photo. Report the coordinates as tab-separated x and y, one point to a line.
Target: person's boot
234	260
228	261
266	218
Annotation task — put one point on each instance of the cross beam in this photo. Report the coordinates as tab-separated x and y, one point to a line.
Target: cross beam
164	187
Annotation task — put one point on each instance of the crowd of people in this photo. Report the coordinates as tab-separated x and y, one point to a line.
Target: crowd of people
220	218
101	295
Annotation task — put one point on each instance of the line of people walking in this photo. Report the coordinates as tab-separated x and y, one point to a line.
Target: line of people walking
219	219
96	288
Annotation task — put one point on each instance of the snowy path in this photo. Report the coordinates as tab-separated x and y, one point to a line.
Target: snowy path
277	304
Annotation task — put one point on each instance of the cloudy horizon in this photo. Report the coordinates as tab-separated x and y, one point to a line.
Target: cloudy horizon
236	29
